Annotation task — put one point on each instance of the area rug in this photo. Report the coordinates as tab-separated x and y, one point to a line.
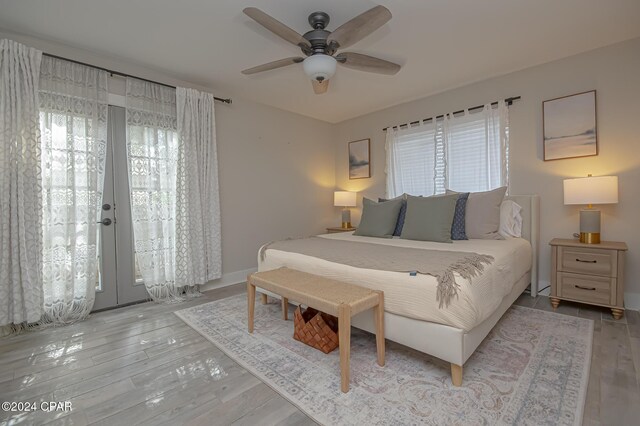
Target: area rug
533	368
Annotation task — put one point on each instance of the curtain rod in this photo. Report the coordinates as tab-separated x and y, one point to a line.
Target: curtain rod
112	72
509	101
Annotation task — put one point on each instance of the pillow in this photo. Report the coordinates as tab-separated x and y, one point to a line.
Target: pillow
403	211
457	227
378	219
510	219
429	218
482	218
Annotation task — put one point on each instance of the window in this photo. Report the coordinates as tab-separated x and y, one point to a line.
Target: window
466	153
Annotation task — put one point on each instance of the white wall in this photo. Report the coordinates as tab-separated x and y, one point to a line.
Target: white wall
276	168
613	71
276	178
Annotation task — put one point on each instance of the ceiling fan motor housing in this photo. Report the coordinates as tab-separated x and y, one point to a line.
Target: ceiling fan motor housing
318	36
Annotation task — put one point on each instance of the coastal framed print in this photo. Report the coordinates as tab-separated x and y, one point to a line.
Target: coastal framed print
569	126
359	159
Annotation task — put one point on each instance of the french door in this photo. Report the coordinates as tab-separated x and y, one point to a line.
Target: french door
118	281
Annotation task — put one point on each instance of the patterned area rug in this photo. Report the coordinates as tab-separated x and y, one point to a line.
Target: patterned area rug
533	368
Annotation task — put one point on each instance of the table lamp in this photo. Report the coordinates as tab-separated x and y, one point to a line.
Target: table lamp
591	190
345	199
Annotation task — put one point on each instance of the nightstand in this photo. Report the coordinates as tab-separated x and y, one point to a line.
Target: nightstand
588	273
339	229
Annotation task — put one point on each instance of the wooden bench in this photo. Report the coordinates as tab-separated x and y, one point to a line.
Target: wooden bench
333	297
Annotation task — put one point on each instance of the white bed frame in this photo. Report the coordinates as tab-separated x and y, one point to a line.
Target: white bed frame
452	344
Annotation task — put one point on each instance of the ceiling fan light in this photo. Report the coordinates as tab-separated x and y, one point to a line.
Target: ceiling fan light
319	67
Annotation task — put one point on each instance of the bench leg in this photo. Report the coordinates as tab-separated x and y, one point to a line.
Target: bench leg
344	337
378	313
263	298
456	375
285	308
251	304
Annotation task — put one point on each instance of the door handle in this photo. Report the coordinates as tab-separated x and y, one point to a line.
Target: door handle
106	221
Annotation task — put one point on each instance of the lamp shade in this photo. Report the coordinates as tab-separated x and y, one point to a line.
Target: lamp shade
319	66
344	199
591	190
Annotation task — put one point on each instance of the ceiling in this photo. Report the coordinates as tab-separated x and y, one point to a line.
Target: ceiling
441	44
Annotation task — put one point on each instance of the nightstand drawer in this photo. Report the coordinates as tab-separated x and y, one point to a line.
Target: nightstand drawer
588	261
587	288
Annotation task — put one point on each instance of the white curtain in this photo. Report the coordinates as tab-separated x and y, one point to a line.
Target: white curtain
173	173
411	160
20	188
477	149
198	249
466	152
73	123
152	146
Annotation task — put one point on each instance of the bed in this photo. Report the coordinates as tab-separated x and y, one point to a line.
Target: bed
412	313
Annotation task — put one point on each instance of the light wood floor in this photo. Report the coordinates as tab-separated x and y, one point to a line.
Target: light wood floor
142	365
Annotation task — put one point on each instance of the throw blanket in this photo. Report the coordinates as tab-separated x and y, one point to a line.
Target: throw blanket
438	263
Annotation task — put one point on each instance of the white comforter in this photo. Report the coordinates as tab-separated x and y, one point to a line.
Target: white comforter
415	297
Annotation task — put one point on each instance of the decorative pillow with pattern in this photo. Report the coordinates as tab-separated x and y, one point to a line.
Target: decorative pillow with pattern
458	227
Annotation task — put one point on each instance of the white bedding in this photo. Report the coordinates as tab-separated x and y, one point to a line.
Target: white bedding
415	297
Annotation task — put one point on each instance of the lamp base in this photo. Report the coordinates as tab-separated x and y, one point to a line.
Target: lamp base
590	226
590	237
346	218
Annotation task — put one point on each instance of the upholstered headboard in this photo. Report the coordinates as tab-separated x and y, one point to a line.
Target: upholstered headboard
530	230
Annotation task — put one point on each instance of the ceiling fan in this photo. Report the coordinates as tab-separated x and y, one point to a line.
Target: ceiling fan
320	45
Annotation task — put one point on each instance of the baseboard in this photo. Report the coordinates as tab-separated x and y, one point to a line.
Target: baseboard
543	288
228	279
632	301
546	285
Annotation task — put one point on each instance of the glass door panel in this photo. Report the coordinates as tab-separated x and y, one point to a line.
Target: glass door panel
118	283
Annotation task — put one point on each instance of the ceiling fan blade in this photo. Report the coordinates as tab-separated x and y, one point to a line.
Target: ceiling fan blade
367	63
359	27
320	87
276	27
273	65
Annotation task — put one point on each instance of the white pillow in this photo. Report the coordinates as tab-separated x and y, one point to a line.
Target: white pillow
510	219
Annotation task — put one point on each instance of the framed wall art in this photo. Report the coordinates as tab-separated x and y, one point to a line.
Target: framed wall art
569	126
360	159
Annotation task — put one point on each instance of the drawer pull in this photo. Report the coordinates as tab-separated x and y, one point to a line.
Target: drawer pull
586	261
585	288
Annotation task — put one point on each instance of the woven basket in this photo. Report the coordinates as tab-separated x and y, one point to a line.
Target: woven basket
316	329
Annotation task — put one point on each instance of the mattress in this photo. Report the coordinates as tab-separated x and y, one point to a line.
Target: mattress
415	296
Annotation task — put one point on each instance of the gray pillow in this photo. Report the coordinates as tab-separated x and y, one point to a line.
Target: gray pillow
378	219
482	219
401	216
429	218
